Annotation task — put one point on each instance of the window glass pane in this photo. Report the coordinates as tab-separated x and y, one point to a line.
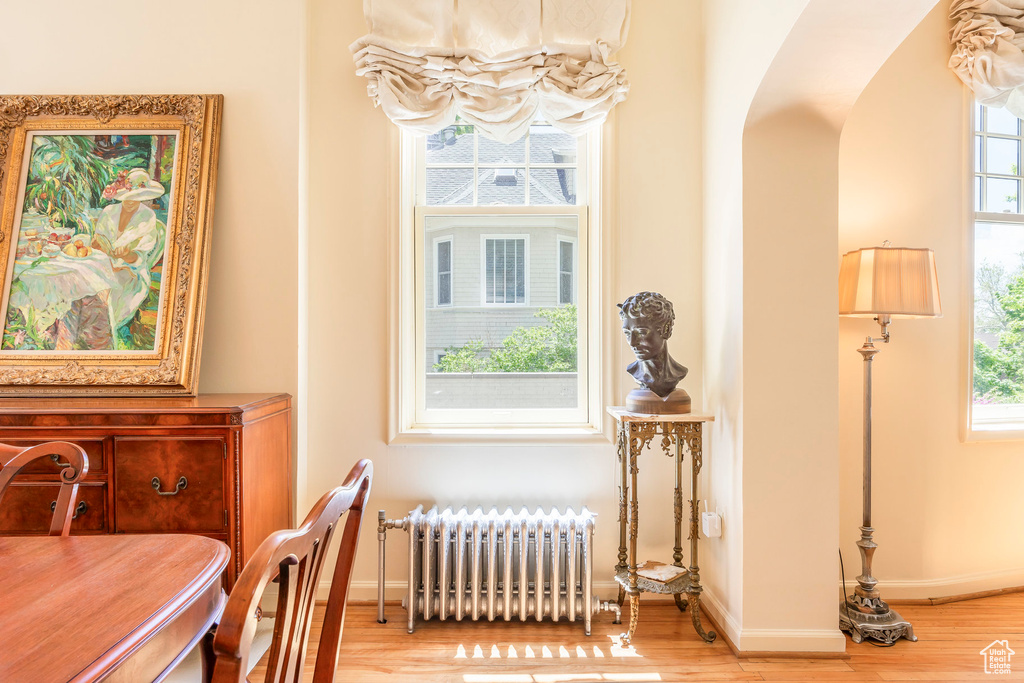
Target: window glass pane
998	311
444	257
496	264
506	174
511	272
977	193
548	145
489	281
452	145
565	256
565	288
506	259
979	116
553	186
449	186
566	264
502	186
492	152
522	355
444	289
1002	156
1002	195
977	153
999	120
520	265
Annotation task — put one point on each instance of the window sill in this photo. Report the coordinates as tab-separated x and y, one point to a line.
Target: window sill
1000	422
995	433
500	435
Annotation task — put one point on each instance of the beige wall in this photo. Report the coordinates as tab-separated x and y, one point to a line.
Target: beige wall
658	246
948	514
200	46
771	216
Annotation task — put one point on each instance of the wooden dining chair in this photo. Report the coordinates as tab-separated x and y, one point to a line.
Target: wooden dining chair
74	469
296	556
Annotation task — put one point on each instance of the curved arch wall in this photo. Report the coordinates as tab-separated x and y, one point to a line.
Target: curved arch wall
770	260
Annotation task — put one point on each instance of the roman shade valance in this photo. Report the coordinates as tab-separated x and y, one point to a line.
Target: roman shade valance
988	52
495	63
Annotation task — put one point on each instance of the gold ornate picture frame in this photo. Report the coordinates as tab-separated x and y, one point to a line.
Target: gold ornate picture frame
106	204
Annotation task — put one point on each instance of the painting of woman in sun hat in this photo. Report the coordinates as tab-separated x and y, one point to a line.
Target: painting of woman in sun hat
88	273
132	236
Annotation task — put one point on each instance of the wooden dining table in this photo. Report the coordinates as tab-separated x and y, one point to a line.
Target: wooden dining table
105	608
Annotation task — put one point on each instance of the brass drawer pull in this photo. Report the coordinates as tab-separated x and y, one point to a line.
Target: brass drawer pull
182	483
56	460
80	509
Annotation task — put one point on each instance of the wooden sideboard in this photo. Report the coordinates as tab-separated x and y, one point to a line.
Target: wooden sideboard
218	465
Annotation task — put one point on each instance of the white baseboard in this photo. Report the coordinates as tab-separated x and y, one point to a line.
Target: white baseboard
772	640
792	640
725	621
964	584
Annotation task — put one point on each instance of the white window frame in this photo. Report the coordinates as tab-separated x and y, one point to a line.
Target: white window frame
451	272
598	329
1005	422
483	270
559	272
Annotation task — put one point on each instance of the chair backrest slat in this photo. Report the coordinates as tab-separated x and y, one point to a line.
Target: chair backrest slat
75	467
297	557
337	601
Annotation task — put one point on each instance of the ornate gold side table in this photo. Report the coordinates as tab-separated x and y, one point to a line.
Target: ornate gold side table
679	433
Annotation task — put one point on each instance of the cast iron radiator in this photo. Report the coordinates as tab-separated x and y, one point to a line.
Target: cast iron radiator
496	565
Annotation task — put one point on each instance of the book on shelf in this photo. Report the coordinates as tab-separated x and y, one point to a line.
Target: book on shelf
659	571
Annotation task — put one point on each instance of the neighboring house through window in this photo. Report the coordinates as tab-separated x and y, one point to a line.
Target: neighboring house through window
496	330
997	370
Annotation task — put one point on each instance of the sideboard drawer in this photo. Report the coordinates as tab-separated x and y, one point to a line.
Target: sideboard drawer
170	484
27	508
93	449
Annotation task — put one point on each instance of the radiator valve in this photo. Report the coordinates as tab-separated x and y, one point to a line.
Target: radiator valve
612	606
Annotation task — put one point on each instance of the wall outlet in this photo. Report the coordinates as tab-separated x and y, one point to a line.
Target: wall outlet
711	524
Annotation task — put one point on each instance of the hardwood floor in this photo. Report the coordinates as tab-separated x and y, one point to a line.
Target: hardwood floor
666	649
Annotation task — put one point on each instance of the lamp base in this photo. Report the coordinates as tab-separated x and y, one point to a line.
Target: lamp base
886	628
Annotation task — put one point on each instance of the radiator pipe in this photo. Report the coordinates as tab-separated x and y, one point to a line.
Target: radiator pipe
383	524
611	606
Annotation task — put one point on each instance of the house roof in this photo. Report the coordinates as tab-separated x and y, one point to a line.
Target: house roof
454	185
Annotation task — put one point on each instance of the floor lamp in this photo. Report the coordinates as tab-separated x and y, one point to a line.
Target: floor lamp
881	283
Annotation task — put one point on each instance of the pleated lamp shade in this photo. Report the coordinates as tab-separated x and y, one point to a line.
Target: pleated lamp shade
891	281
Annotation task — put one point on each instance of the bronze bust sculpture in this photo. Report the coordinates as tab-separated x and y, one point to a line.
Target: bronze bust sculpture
647	319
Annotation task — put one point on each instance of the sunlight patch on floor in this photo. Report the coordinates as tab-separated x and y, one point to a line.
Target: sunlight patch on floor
493	651
561	678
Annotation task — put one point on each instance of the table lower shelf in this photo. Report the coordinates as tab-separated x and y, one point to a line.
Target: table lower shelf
680	584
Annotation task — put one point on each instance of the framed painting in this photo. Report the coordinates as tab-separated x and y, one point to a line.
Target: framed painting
106	204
